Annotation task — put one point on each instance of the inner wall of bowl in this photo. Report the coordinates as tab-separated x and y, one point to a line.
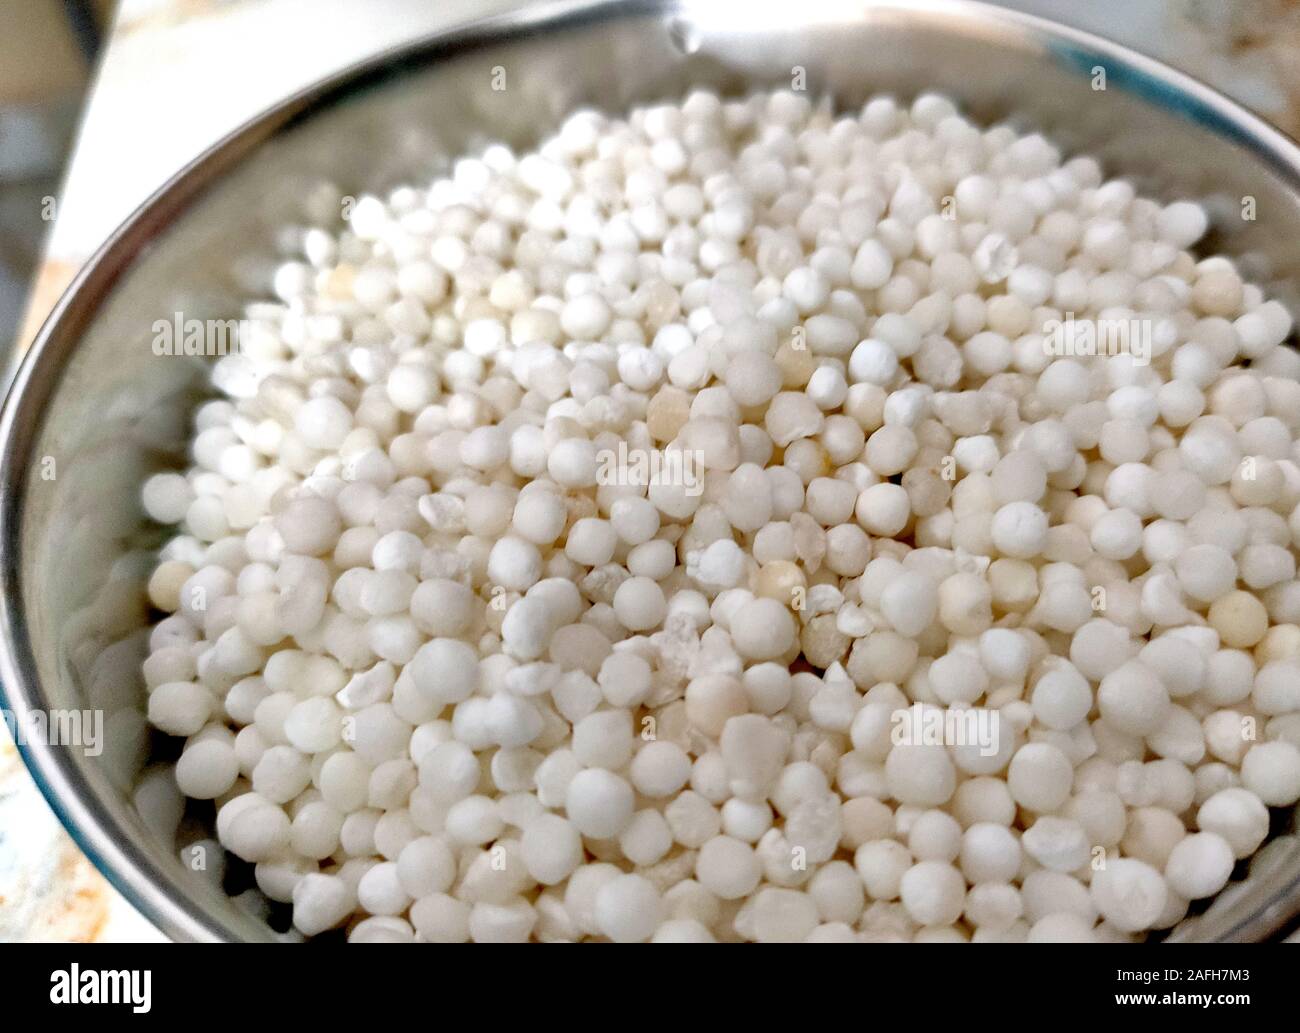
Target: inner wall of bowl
120	412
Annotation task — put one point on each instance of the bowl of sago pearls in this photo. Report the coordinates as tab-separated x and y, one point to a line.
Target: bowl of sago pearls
830	477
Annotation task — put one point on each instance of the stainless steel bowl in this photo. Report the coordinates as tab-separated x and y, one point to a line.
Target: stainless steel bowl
92	397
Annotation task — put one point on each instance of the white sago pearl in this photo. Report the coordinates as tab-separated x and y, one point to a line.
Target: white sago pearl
1277	687
1019	477
782	916
207	769
1181	670
1058	844
599	803
551	848
634	520
873	362
625	679
762	629
838	893
1238	816
313	726
445	670
881	864
539	516
167	497
933	893
320	902
573	463
1117	535
426	866
1182	223
1199	866
474	820
591	541
281	773
745	820
514	563
628	909
1004	653
323	422
308	525
411	387
603	739
585	317
872	265
485	448
439	918
920	774
830	334
727	867
1132	699
1061	697
1206	572
510	922
958	677
883	509
1177	494
1040	777
525	514
989	853
1129	894
752	377
890	450
827	388
639	604
910	603
791	416
257	832
380	891
1019	529
396	550
935	836
1271	770
179	708
682	930
660	769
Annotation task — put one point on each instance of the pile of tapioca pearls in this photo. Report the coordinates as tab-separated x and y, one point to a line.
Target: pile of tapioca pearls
448	677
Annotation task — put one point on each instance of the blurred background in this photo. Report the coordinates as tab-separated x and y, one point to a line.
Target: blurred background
48	50
101	102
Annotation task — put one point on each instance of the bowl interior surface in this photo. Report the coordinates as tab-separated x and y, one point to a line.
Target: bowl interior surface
95	400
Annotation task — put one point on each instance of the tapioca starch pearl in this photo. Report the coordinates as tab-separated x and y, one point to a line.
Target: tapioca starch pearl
628	909
1199	866
207	769
551	848
1237	815
570	554
1129	894
1132	699
1271	770
933	893
727	867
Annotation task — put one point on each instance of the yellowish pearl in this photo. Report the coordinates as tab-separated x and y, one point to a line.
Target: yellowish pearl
783	581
